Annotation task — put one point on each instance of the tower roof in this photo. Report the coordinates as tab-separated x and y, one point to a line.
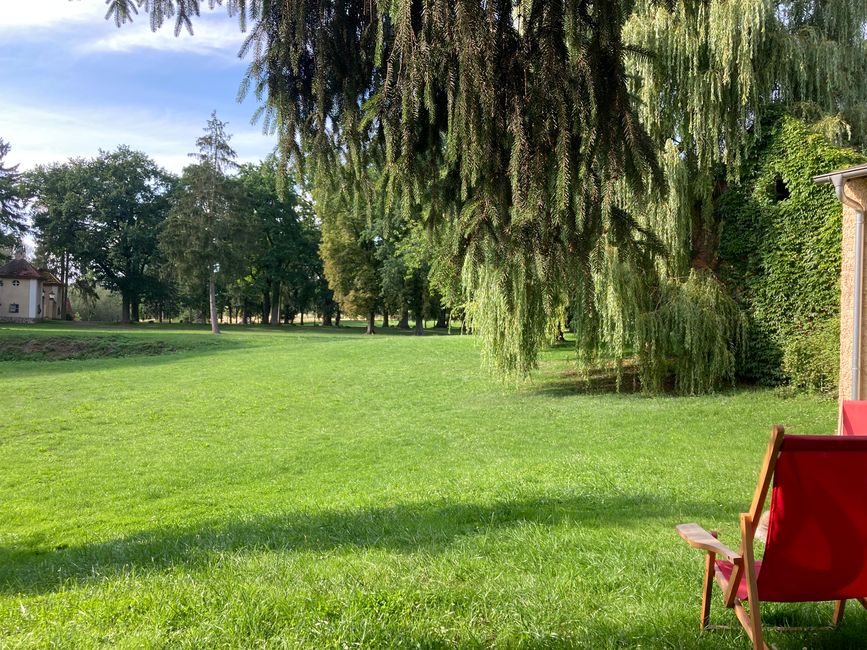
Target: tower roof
21	269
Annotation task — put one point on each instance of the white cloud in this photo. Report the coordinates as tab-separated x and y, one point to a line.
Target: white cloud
48	14
84	28
40	135
212	35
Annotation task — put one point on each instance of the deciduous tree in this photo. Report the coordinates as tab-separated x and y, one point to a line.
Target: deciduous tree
129	202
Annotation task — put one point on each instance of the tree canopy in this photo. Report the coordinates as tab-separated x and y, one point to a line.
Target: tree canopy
99	219
574	149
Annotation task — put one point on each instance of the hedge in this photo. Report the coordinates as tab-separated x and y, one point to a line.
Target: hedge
779	254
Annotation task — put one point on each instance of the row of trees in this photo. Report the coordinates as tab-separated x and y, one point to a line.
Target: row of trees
221	239
207	242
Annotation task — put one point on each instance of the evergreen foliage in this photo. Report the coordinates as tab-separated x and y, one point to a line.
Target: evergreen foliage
509	121
780	253
11	203
209	192
203	234
536	134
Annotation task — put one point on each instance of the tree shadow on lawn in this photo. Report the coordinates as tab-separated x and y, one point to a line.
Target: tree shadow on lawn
404	528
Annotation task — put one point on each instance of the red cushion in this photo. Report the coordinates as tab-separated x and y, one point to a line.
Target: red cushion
725	567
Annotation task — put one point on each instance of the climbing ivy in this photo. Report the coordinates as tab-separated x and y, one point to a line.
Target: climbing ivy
780	255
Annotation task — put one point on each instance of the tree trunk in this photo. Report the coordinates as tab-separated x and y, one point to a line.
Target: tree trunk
337	318
326	319
266	306
403	323
370	318
275	304
301	314
560	337
419	325
124	308
385	319
64	289
442	321
212	298
135	310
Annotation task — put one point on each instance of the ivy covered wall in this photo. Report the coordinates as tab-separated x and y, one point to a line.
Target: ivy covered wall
779	254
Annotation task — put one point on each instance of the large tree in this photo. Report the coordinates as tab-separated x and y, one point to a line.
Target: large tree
128	206
515	125
101	218
203	237
349	253
62	196
280	252
209	205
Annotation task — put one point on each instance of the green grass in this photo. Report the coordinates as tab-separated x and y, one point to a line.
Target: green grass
316	488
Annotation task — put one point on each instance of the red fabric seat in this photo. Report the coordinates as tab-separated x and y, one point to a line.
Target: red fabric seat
725	567
817	531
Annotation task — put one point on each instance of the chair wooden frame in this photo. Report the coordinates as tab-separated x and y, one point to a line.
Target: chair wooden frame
743	562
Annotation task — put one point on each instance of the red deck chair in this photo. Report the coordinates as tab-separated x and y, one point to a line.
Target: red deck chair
817	532
853	418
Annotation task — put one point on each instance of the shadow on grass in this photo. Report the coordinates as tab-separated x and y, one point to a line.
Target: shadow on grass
426	527
603	381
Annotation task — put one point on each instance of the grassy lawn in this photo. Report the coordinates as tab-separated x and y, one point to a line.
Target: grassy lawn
320	488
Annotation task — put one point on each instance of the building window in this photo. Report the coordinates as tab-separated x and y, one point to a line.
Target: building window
15	283
13	308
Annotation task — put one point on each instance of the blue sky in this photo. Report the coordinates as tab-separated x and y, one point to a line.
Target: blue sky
72	83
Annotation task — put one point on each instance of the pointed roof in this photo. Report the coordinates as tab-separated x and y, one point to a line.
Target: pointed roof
20	269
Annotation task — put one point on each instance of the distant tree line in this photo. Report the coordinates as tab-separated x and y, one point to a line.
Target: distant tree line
221	242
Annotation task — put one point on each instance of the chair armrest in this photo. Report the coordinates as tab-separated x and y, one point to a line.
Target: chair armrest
698	537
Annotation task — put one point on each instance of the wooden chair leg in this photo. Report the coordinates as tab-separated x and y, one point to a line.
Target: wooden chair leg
707	591
839	608
750	624
755	617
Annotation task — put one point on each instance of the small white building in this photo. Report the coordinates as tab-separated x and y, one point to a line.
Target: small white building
28	295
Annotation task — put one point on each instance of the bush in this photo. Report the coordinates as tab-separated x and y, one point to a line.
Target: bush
811	358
